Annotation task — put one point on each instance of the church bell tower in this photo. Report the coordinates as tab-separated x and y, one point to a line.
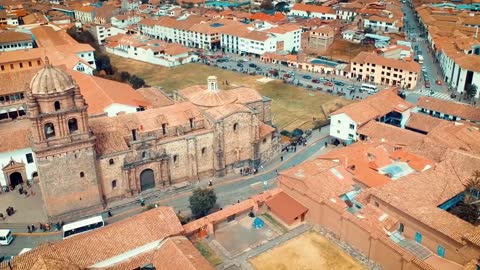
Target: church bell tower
63	144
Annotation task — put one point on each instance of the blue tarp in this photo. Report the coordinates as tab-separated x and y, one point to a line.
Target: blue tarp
258	223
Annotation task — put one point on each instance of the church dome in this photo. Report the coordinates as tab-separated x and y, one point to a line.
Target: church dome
50	80
210	95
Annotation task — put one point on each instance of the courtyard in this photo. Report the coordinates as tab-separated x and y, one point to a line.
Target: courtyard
309	251
292	106
27	209
239	236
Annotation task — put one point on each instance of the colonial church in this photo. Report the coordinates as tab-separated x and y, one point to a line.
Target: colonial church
85	162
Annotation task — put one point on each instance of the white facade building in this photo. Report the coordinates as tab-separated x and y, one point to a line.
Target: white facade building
14	41
23	155
312	11
343	127
100	32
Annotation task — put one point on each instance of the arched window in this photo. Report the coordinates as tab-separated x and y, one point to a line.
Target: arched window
82	174
144	154
49	130
175	158
111	162
114	184
56	105
235	127
72	125
204	150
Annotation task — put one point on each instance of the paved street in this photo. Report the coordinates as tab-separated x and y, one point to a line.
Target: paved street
228	190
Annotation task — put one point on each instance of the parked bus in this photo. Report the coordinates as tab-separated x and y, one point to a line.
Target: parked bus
6	237
370	88
82	226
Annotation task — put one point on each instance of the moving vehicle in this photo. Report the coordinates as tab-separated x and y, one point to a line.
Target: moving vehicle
338	83
6	237
420	59
315	81
239	65
307	77
427	84
252	65
369	88
82	226
328	83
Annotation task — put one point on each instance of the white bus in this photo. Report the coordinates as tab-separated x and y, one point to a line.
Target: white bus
82	226
6	237
370	88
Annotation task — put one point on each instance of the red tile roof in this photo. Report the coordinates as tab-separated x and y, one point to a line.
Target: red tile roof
313	8
286	207
462	110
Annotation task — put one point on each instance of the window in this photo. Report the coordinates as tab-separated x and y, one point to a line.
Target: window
56	105
377	204
144	154
49	130
264	140
29	157
350	136
82	174
164	129
72	125
192	123
352	126
418	237
11	66
204	150
235	127
111	162
114	184
2	67
30	63
338	131
21	65
441	251
339	121
175	158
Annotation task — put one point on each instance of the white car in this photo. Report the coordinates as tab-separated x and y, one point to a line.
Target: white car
6	237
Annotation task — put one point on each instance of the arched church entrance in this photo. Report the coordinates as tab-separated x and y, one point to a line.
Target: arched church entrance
147	180
16	179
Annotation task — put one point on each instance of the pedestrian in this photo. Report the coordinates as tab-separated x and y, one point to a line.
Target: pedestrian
33	228
210	183
326	144
109	213
281	158
2	217
29	229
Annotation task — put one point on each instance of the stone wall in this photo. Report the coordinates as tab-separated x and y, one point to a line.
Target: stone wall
69	181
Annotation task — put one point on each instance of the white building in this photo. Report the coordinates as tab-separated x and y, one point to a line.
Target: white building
387	24
312	11
101	32
85	14
385	106
16	157
288	35
142	48
124	21
14	41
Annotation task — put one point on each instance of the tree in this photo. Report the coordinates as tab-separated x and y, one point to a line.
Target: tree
103	63
368	30
266	5
472	188
125	76
202	201
470	91
136	82
294	51
465	211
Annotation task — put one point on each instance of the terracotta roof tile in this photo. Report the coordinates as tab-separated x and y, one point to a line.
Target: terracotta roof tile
11	36
451	108
20	130
425	123
313	8
16	81
155	96
381	132
285	207
375	106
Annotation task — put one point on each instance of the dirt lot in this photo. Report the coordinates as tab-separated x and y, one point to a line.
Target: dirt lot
309	251
345	51
292	106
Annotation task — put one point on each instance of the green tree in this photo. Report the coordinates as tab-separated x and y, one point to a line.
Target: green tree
103	63
470	91
266	5
294	51
136	82
202	201
125	76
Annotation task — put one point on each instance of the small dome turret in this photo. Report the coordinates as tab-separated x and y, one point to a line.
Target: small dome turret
50	80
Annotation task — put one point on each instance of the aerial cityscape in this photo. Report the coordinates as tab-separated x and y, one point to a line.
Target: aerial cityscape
239	134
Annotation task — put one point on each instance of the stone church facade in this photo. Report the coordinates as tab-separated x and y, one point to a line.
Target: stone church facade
85	163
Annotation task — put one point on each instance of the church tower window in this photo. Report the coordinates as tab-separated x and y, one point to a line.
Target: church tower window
49	130
56	105
72	125
235	127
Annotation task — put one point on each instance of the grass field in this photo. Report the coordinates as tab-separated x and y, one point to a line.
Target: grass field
309	251
292	106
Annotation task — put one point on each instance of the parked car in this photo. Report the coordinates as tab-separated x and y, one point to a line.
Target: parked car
258	69
286	75
309	86
319	89
239	65
338	83
252	65
427	84
439	82
224	67
315	81
234	69
328	83
307	77
323	80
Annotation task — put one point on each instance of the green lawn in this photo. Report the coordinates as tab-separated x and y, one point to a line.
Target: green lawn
292	106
